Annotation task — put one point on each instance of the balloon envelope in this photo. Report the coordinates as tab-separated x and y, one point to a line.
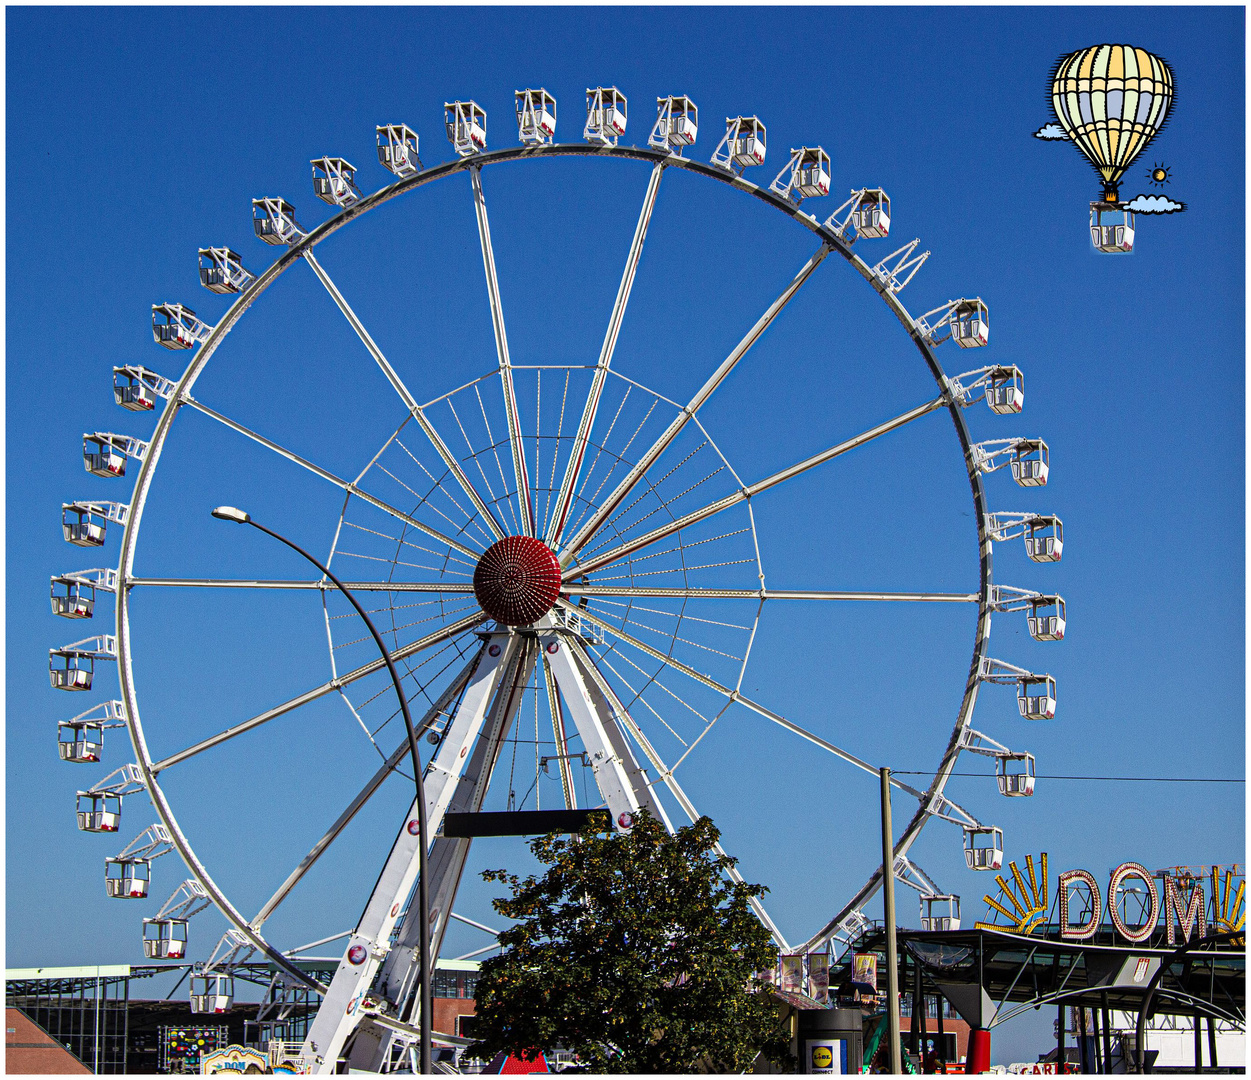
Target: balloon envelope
1112	99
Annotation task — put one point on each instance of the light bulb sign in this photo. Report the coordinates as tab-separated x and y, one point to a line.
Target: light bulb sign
1186	911
1174	897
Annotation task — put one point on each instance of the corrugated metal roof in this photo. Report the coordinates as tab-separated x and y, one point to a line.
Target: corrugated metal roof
99	971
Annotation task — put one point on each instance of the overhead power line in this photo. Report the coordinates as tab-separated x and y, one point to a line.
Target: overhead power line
1128	779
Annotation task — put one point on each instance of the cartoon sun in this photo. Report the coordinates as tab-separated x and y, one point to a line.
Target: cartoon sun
1160	175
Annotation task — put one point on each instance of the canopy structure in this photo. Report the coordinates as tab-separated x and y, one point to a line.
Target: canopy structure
990	976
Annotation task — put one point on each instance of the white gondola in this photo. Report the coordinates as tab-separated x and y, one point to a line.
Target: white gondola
1046	618
221	270
805	174
1031	462
82	743
173	326
212	993
605	115
164	939
273	221
970	324
82	525
1015	774
1005	390
131	392
70	669
397	149
334	181
99	811
812	172
677	124
104	454
940	911
1036	697
872	215
465	122
1044	538
743	144
536	116
127	878
983	847
82	738
1111	228
73	599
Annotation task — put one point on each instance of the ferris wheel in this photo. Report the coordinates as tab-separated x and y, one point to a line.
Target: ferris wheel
561	556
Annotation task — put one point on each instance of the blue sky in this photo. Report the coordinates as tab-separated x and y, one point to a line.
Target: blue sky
144	134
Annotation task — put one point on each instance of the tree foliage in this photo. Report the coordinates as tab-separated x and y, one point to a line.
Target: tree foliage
635	952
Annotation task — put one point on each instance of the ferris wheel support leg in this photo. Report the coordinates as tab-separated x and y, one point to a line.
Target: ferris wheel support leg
340	1010
620	780
398	976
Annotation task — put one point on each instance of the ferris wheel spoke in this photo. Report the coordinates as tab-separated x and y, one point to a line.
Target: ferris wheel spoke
695	516
389	766
455	629
665	776
405	396
321	586
567	485
347	485
628	482
733	695
501	348
640	591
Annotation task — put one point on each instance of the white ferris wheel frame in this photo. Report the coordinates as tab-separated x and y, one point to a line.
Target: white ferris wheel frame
932	802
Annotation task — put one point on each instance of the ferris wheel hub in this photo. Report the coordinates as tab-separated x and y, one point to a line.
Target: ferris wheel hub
517	580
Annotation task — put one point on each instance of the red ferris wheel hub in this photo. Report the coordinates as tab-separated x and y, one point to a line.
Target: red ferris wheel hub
517	580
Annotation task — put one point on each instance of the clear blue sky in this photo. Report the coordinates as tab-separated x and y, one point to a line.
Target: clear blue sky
137	135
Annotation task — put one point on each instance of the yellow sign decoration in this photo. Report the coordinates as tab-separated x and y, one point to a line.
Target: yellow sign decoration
1029	908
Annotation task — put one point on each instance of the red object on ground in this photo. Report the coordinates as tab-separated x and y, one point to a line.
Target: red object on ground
517	580
979	1050
512	1065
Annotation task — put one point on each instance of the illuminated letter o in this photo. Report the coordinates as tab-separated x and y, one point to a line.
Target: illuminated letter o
1126	870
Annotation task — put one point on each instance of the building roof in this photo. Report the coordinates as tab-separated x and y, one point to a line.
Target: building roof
29	1050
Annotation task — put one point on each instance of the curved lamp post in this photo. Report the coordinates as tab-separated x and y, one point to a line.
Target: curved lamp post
230	513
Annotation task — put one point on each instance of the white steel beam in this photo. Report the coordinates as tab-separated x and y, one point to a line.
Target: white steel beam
611	775
368	946
609	591
320	586
565	497
630	546
666	776
501	348
561	739
734	695
607	508
443	703
439	636
346	485
398	977
410	402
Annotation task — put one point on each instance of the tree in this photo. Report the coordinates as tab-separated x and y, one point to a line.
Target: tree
633	951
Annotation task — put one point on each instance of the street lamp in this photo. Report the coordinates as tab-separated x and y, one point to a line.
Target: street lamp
230	513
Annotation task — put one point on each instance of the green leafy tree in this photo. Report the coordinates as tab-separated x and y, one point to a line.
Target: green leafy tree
635	952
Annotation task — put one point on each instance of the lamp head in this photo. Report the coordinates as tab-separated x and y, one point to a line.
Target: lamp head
231	513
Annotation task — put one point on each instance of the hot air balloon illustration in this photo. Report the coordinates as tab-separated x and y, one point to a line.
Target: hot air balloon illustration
1111	100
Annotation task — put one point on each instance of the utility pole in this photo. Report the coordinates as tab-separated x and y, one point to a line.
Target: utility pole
892	959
